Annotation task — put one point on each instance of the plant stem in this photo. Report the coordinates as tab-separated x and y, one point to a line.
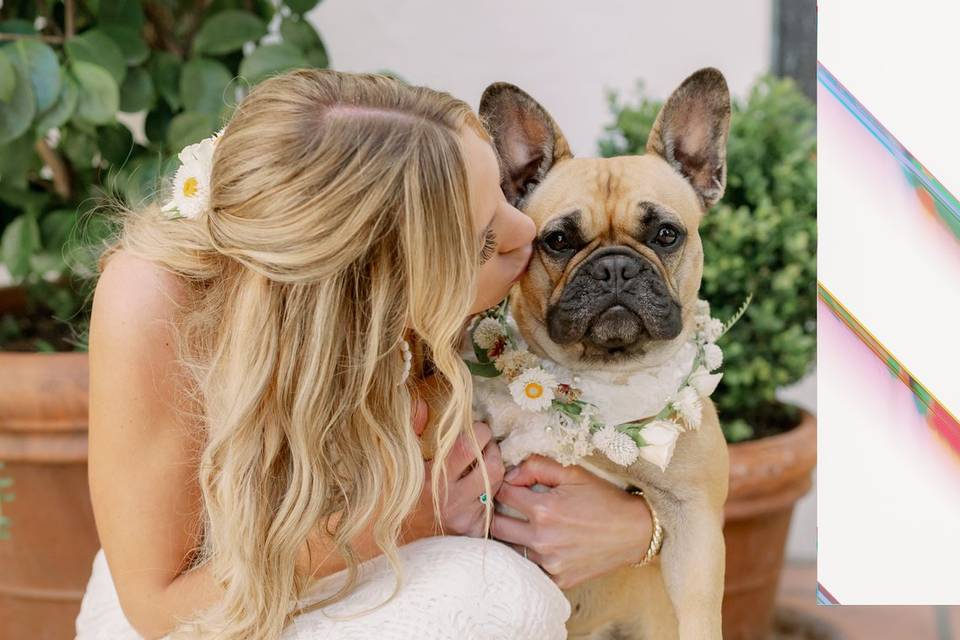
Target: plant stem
61	174
69	18
24	36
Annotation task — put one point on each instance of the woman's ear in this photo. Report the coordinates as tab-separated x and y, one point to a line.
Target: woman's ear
527	139
691	130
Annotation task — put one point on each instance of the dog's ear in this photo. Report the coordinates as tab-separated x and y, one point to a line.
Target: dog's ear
528	141
691	130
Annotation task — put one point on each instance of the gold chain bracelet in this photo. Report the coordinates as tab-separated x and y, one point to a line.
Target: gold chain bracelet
656	540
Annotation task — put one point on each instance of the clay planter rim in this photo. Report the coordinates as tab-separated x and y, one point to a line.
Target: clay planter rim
773	472
32	428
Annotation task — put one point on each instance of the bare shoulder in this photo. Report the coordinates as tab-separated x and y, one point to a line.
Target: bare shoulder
135	288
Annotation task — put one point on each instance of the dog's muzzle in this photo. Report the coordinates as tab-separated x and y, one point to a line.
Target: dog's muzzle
614	299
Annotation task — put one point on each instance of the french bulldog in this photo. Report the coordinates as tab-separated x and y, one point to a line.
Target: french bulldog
612	287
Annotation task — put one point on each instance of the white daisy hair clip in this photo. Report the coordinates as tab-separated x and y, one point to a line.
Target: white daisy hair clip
191	183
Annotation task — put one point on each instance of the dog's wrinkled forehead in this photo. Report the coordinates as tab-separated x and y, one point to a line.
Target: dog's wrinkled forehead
611	199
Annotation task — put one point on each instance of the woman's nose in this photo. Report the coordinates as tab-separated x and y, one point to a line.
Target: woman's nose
523	232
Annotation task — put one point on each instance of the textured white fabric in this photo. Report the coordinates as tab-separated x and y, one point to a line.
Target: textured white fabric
455	588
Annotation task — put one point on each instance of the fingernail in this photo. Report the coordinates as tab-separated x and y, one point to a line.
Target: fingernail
512	474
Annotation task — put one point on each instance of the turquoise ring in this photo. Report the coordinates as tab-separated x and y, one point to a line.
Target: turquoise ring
484	498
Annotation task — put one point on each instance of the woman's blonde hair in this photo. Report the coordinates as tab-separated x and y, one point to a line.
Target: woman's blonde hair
339	219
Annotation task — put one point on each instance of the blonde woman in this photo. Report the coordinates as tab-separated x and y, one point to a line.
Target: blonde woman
255	467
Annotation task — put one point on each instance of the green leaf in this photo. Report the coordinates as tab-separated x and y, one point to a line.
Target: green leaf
99	96
130	42
17	158
20	239
271	59
227	31
38	61
22	27
300	34
189	127
157	122
16	115
45	261
79	147
124	12
137	92
56	228
63	108
8	78
203	86
301	6
481	354
165	70
24	198
115	143
265	9
96	47
484	370
318	59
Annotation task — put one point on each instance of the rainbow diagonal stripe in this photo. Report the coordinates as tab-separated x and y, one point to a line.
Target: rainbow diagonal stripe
936	199
936	415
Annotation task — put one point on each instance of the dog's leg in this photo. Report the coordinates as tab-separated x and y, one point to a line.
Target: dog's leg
692	562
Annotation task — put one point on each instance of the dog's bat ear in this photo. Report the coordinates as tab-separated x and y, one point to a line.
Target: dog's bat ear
527	139
691	131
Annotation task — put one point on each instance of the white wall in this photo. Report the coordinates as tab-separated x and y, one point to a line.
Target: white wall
565	53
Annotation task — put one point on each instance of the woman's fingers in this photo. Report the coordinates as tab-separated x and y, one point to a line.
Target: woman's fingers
525	500
511	530
537	469
471	486
462	454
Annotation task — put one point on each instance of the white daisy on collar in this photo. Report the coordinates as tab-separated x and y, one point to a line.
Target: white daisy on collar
533	389
191	183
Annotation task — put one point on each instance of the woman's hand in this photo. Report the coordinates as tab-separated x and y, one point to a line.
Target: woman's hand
461	511
583	527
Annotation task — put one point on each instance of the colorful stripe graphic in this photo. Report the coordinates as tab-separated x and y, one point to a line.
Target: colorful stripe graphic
936	415
937	200
824	596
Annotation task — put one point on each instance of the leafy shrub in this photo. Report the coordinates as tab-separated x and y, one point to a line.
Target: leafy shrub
67	69
760	238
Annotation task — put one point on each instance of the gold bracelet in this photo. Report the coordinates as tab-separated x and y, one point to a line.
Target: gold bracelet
656	540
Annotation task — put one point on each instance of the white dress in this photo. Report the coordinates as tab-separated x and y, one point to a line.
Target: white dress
455	588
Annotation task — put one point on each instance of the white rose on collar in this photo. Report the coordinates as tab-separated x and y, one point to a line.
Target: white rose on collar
661	438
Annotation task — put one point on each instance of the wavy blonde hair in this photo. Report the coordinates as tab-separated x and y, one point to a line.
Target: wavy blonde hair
339	220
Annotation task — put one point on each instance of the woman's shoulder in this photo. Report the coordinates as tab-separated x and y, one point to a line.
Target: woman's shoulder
132	322
136	286
132	277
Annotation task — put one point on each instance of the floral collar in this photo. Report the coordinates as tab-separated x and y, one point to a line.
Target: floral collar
580	413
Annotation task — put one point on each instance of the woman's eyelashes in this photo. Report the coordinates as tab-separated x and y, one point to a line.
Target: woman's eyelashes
489	245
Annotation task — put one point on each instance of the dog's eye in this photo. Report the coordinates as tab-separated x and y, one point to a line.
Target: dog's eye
557	241
667	236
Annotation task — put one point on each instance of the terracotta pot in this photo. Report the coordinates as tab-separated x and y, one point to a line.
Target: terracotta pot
43	441
767	477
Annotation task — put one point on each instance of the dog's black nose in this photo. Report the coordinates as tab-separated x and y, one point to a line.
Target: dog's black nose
614	269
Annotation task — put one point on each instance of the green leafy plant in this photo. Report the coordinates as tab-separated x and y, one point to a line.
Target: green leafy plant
72	75
760	239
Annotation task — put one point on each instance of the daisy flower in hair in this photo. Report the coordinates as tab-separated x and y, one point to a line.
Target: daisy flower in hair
191	183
